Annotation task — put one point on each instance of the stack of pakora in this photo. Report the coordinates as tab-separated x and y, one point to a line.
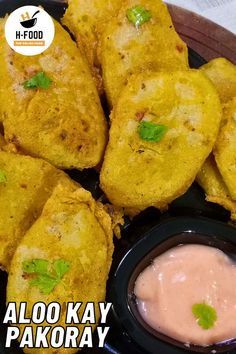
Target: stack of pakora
25	185
217	175
65	256
169	125
50	227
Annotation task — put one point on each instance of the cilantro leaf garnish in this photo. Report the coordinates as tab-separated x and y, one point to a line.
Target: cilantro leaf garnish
61	267
151	131
206	315
45	283
46	276
138	15
3	177
40	80
39	266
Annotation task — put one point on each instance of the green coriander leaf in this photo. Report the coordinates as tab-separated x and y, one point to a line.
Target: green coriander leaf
45	276
45	283
138	15
39	266
3	177
40	80
61	267
205	315
151	132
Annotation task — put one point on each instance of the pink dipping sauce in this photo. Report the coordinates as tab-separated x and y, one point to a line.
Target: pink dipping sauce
178	279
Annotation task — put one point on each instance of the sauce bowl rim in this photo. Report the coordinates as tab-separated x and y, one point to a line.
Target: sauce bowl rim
120	293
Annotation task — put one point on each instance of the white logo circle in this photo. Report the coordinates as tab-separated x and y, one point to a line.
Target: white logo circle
29	30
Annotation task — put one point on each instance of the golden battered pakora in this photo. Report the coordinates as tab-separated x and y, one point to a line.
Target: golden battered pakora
25	185
163	128
49	104
86	21
210	179
72	237
223	75
140	38
225	148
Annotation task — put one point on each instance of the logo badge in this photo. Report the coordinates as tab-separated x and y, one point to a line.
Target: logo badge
29	30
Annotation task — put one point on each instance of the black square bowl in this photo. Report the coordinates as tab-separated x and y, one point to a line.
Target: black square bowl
168	234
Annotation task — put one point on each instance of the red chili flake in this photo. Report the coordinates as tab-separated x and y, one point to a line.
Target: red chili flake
26	276
180	48
140	116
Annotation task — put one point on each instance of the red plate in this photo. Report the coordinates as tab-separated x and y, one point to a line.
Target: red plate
205	37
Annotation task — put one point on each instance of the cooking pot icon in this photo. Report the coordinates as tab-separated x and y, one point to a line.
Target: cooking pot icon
31	22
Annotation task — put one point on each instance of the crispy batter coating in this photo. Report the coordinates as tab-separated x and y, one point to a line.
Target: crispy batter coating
64	124
27	185
210	179
137	173
86	20
117	218
223	75
75	229
126	49
225	148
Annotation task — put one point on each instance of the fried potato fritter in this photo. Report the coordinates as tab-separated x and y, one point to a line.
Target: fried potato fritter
138	173
225	148
127	49
74	232
86	21
223	75
210	179
64	123
25	186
